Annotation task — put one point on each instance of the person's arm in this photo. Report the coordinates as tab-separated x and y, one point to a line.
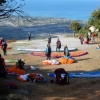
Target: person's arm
46	49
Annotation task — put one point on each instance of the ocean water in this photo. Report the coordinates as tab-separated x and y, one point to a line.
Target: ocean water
70	9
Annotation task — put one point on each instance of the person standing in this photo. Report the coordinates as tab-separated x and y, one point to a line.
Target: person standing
87	38
92	37
89	35
66	51
58	45
48	52
29	36
1	42
2	67
81	39
49	39
4	48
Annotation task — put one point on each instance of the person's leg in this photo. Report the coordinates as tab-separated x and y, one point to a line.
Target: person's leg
3	51
93	38
47	58
29	38
4	72
0	72
59	49
56	49
81	42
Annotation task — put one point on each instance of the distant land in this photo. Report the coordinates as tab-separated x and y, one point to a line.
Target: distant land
14	28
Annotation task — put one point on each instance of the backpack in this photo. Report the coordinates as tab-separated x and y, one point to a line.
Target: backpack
62	77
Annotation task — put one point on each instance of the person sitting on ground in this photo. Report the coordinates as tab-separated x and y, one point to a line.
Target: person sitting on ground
66	51
98	46
2	67
58	45
20	64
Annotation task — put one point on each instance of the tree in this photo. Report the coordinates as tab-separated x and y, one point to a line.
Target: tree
84	30
2	1
10	9
94	20
75	26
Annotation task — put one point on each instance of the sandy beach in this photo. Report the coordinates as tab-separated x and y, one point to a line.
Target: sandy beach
78	88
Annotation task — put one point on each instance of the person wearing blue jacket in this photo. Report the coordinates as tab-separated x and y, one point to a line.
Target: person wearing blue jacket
66	51
48	52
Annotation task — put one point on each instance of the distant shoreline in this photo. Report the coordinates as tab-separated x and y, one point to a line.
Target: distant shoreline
39	28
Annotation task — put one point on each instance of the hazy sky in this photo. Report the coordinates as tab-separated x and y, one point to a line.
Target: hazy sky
39	7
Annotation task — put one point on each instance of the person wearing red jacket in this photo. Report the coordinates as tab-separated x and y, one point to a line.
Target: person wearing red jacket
1	43
92	36
2	67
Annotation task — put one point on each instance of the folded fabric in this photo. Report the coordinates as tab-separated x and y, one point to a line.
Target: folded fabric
15	70
32	77
50	62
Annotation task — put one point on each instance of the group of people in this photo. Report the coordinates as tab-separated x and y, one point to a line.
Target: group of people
89	37
3	45
58	46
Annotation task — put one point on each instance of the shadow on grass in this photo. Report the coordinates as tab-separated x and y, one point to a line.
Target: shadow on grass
4	91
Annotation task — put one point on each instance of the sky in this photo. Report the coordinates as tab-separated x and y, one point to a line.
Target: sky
61	8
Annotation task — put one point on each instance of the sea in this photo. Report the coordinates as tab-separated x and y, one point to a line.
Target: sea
68	9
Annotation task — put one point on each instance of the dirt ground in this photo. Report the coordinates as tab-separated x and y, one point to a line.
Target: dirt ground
78	88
